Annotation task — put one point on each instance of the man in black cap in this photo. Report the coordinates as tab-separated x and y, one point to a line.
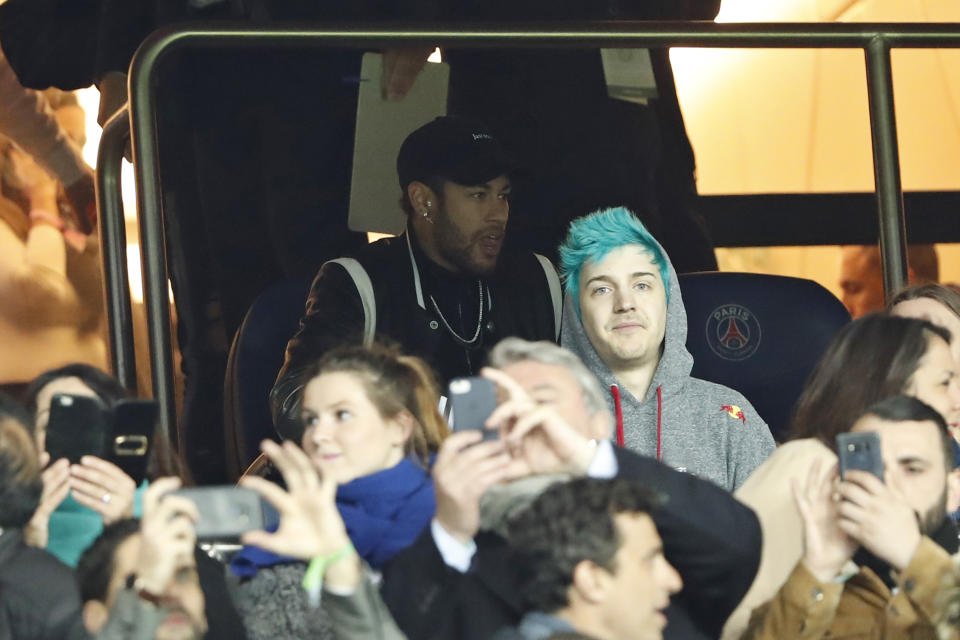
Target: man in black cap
443	290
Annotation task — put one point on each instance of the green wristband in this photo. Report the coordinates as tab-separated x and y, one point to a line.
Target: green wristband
313	578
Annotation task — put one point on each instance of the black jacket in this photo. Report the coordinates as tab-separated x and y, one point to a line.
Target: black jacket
516	303
711	539
39	598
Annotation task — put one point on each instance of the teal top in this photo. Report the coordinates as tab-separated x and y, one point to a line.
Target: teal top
73	527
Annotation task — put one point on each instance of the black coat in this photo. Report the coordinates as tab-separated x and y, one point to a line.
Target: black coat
39	598
712	540
519	305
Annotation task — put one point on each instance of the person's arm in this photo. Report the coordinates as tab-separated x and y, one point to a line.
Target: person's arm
421	584
33	280
420	590
360	614
56	487
805	606
333	316
921	583
27	119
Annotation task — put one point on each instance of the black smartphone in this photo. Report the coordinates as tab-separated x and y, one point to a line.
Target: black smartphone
78	426
131	435
472	400
226	512
860	451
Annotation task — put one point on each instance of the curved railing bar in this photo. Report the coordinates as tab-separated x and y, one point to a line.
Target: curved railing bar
113	245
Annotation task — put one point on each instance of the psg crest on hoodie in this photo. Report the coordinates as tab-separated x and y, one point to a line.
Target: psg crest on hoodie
733	332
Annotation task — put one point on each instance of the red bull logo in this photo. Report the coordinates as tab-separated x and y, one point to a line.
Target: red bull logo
734	412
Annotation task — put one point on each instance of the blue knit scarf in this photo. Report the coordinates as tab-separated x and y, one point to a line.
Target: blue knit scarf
384	512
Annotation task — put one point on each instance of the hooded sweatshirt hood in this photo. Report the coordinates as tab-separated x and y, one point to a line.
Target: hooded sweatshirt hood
692	425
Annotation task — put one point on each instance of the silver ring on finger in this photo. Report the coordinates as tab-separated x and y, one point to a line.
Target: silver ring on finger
106	498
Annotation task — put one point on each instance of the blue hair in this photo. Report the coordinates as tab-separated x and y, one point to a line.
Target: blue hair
592	237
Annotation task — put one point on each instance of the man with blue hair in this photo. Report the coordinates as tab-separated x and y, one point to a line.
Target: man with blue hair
624	316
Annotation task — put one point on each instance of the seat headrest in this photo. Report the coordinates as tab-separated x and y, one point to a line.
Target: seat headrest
255	359
759	334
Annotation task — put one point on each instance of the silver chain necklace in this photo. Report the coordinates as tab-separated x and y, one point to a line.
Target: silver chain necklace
456	336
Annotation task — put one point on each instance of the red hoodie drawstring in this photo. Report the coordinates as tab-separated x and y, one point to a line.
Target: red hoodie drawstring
659	423
619	410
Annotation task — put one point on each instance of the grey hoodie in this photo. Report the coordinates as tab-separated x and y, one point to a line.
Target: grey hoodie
705	428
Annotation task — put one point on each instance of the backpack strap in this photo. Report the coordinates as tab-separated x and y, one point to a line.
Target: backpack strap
361	281
553	282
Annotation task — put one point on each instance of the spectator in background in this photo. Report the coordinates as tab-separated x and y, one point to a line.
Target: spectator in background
150	564
51	298
372	428
624	316
870	359
28	118
591	561
899	523
936	303
38	594
861	275
79	499
443	290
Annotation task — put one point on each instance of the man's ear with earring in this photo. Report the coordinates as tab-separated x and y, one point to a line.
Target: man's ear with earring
419	194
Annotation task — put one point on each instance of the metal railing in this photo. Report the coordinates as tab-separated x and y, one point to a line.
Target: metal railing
875	40
113	243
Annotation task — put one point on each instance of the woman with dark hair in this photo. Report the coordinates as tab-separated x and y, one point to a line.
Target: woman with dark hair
75	505
936	303
872	358
372	427
79	499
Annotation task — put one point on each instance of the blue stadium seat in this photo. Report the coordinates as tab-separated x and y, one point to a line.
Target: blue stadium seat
759	334
252	366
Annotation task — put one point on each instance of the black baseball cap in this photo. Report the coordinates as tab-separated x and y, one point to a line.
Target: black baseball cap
455	148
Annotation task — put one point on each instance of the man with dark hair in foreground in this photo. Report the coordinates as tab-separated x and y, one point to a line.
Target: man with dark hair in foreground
592	562
877	552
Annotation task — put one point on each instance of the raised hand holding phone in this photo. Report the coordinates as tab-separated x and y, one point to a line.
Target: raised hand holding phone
536	434
56	487
168	535
310	524
826	547
103	487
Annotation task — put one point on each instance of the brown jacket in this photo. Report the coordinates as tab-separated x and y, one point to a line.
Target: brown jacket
862	608
767	492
